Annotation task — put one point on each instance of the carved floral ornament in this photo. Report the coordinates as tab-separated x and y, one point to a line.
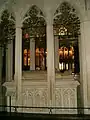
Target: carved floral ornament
7	28
66	17
34	23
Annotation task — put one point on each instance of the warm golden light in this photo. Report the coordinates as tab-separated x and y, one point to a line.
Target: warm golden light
26	57
65	52
25	51
61	51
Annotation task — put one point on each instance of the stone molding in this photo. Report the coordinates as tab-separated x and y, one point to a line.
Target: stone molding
35	94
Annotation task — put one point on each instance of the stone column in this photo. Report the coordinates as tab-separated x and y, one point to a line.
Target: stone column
18	62
9	62
32	54
50	59
85	62
56	41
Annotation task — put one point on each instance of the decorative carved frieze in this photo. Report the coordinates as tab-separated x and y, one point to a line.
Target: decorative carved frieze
34	94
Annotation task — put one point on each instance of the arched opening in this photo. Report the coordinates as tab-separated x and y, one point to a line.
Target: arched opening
66	34
7	36
34	40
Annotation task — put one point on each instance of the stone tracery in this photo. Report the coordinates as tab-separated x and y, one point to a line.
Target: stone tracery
34	21
66	27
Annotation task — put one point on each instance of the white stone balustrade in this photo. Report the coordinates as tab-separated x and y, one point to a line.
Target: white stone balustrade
34	94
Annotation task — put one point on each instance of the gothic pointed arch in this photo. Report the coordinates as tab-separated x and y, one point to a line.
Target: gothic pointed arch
34	21
67	27
7	26
66	15
7	34
34	26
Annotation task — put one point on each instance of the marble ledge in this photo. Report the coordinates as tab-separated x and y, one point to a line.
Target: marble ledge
43	84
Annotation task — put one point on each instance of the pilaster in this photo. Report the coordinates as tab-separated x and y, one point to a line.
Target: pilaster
85	64
18	62
50	60
9	62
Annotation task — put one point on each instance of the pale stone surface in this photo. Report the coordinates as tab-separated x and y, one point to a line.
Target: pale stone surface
84	61
20	7
50	58
9	62
18	61
35	94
